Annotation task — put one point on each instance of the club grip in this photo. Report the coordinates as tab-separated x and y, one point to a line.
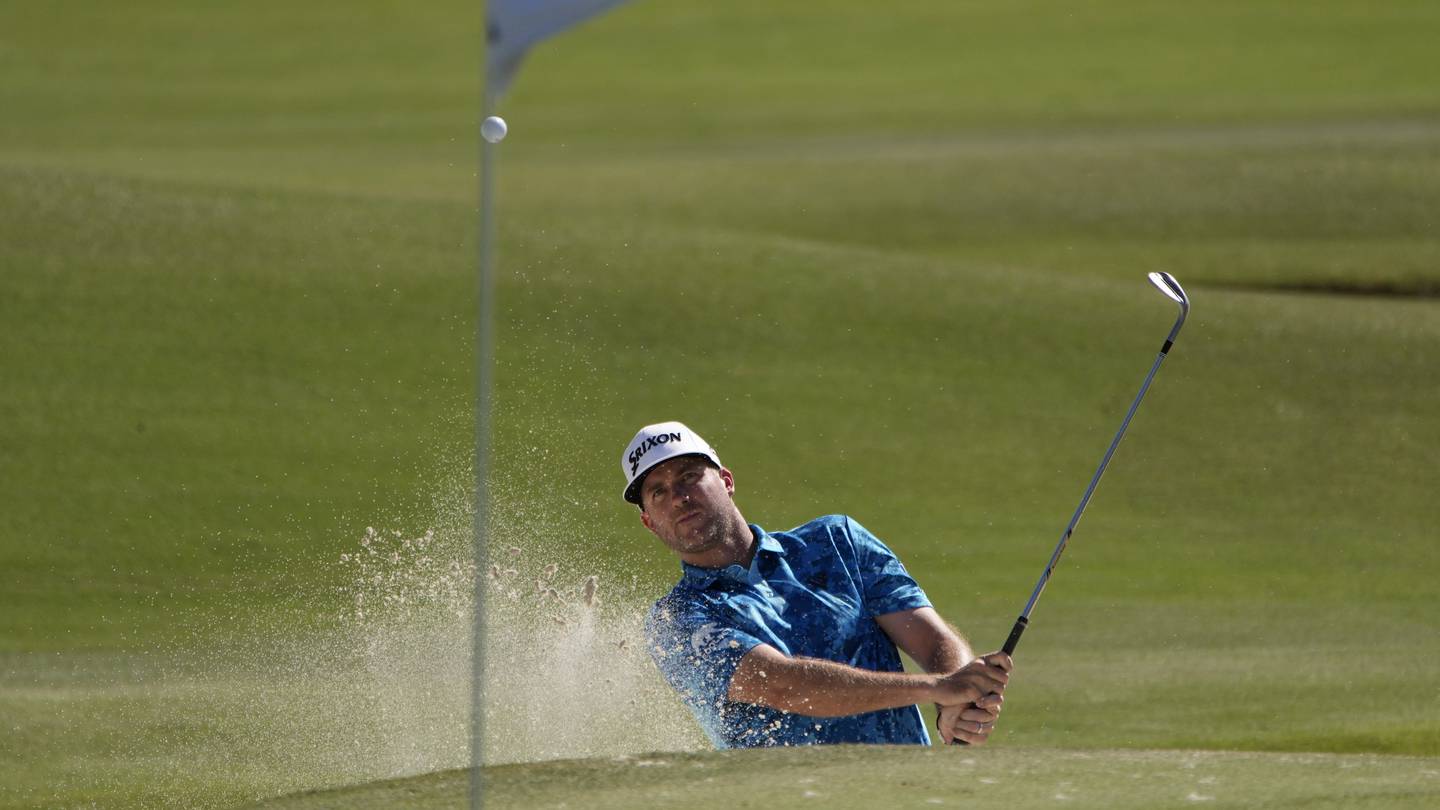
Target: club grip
1015	633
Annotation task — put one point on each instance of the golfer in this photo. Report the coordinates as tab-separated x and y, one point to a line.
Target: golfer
790	638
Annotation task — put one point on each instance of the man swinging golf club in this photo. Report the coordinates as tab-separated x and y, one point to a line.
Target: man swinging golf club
790	638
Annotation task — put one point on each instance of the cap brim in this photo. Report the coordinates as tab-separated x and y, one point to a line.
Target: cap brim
632	491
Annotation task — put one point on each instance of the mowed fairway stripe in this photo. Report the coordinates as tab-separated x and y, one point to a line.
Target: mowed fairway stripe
1350	205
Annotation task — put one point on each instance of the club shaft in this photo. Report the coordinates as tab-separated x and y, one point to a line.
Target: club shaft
1024	620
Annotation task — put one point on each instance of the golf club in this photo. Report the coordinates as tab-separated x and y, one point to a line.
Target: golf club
1167	284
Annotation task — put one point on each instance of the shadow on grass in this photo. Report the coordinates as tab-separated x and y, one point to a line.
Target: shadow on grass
1422	288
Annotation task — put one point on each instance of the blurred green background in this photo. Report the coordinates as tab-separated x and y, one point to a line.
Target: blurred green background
890	261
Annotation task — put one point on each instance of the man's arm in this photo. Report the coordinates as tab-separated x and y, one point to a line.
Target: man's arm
819	688
927	639
937	647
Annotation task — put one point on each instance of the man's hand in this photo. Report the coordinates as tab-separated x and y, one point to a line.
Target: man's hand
983	676
971	719
970	723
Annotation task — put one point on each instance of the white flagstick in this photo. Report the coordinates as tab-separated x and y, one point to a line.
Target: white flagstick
484	361
512	27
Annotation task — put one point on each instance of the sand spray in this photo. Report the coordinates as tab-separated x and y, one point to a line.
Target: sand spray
379	687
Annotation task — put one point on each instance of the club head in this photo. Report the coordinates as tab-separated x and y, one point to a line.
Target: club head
1167	284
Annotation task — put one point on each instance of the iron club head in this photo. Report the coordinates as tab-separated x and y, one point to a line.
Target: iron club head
1172	289
1167	284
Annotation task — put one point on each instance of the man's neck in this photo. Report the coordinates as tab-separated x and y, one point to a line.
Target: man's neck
737	549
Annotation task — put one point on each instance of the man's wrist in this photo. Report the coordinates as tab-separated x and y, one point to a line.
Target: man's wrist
930	686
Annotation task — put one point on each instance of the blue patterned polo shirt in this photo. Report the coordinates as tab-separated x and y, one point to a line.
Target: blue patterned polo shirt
813	591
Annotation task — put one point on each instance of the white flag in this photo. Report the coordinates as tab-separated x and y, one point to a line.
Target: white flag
512	26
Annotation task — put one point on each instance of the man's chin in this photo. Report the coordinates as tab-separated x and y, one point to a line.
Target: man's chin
694	539
695	545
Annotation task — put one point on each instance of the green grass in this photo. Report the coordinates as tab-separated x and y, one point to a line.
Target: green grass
891	266
177	347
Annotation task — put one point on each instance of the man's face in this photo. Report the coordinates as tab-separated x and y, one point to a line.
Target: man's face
686	503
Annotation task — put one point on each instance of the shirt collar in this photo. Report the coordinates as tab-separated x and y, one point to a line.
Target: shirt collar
734	575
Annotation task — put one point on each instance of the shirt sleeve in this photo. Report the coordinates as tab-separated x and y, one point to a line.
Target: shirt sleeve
696	653
888	586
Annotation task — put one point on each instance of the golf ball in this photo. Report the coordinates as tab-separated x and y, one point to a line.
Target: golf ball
493	129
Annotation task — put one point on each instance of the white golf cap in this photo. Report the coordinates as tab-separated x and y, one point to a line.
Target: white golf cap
655	444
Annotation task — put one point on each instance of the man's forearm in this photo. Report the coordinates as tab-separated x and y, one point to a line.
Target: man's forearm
951	652
927	639
819	688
